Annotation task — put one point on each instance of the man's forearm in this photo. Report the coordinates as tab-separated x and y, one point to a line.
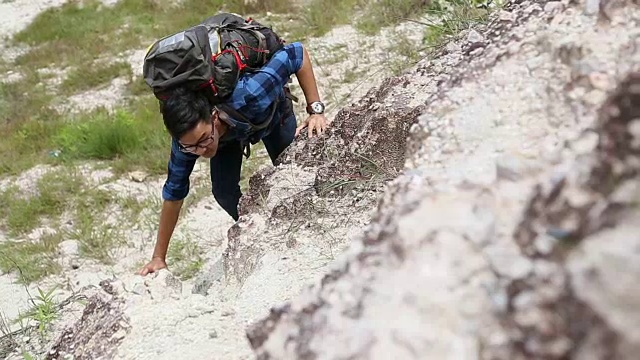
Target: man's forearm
168	220
307	79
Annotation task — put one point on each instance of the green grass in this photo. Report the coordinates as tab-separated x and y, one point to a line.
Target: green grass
382	13
92	75
184	257
23	100
23	213
461	15
78	32
32	261
319	16
97	239
259	6
43	312
134	138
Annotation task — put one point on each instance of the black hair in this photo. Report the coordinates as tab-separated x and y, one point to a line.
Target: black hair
184	110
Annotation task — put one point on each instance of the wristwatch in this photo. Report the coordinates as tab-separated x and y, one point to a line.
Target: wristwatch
316	107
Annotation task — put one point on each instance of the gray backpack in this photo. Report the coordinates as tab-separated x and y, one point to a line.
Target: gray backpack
211	55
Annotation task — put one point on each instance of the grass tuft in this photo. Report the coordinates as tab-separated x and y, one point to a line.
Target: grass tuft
384	13
31	260
185	257
93	75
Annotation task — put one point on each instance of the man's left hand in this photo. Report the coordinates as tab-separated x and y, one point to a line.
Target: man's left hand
315	122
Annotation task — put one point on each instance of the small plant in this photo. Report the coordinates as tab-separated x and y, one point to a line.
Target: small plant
44	310
452	18
54	192
185	255
32	261
97	239
320	16
8	341
382	13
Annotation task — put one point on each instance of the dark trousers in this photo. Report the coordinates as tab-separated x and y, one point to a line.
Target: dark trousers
226	165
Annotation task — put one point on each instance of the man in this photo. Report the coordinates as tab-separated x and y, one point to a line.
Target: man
198	131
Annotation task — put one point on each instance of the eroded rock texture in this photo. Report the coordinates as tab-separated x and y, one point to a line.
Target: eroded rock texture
97	334
435	278
327	186
513	231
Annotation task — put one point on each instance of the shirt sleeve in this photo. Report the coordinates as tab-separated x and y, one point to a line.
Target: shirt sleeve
266	85
176	187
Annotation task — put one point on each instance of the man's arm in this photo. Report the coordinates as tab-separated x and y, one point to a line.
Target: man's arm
168	220
307	81
266	85
174	191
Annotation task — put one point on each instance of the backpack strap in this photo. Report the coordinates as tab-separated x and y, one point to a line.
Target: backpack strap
237	115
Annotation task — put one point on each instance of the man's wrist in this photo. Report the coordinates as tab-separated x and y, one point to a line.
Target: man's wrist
315	107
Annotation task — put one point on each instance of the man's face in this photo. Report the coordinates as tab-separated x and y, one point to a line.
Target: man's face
201	140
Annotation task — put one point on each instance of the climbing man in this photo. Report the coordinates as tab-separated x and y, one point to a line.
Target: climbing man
221	132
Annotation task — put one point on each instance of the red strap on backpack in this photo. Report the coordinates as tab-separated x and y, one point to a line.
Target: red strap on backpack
241	65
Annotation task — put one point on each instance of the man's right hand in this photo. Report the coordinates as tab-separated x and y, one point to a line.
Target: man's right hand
152	266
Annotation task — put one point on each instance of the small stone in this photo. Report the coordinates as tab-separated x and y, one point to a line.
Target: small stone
213	334
453	47
586	144
119	335
634	128
514	48
491	58
595	97
474	37
68	357
524	300
506	16
69	248
229	312
139	289
576	93
577	197
477	51
553	6
592	7
532	8
138	176
599	81
627	193
544	244
26	339
511	167
535	62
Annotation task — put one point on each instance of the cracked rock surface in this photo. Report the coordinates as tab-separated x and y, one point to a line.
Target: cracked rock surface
512	232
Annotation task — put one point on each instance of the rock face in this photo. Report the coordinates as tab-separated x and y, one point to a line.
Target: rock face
324	187
512	232
497	183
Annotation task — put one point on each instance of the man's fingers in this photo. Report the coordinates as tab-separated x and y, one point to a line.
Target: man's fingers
323	126
299	128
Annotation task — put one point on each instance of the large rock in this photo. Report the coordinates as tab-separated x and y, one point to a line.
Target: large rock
518	269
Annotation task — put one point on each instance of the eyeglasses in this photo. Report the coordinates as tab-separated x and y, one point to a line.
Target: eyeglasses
192	149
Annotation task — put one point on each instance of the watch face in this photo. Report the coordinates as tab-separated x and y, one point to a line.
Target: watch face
317	107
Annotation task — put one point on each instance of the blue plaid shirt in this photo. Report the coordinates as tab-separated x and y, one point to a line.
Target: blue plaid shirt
253	96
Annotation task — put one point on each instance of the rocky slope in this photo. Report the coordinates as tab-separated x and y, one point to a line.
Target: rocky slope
497	185
512	232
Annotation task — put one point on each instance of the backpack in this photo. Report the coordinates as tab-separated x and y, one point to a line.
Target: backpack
211	55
